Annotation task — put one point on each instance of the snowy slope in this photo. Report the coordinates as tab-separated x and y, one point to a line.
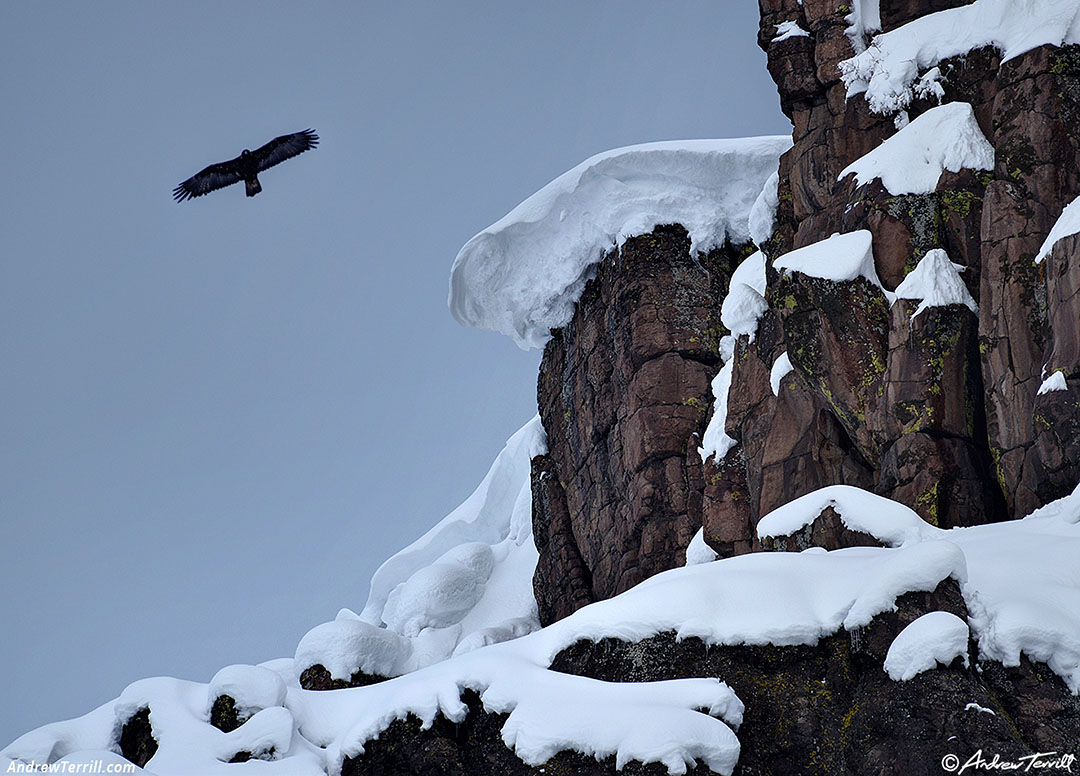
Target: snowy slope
523	274
465	583
1019	579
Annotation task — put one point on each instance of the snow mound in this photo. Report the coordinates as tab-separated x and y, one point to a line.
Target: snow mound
440	595
523	275
936	282
347	645
1055	382
936	637
840	257
888	521
254	688
911	161
1068	223
887	70
698	551
187	743
745	303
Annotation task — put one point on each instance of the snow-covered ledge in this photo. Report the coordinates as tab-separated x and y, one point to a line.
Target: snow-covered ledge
523	275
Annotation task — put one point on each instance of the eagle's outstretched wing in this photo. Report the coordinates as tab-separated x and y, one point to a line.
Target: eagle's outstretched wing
285	147
216	176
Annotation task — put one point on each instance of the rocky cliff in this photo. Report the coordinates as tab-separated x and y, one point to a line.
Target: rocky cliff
942	407
898	324
940	410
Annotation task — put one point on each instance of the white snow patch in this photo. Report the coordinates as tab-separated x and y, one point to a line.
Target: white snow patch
347	645
1068	223
762	219
523	275
785	30
929	86
911	161
698	551
745	303
936	282
780	369
471	572
1055	382
889	521
864	19
254	688
913	567
715	442
936	637
980	709
840	257
440	595
887	69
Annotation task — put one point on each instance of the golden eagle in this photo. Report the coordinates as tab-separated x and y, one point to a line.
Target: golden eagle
247	166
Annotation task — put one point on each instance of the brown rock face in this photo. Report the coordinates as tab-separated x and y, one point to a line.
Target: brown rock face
624	391
937	410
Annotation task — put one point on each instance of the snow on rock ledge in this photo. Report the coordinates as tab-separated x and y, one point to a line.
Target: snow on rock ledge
745	303
935	282
253	688
888	68
1068	223
523	274
1055	382
839	258
936	637
888	521
1023	586
911	161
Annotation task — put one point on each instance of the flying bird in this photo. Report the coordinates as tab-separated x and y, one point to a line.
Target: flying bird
247	166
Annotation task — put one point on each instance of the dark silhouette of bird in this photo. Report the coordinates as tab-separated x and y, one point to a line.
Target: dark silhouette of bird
247	166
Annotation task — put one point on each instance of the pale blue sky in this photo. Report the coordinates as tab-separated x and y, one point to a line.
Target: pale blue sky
218	417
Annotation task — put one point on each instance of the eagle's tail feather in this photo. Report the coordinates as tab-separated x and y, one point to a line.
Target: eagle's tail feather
253	187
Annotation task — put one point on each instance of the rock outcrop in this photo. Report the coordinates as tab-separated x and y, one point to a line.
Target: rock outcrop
623	395
989	453
937	408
